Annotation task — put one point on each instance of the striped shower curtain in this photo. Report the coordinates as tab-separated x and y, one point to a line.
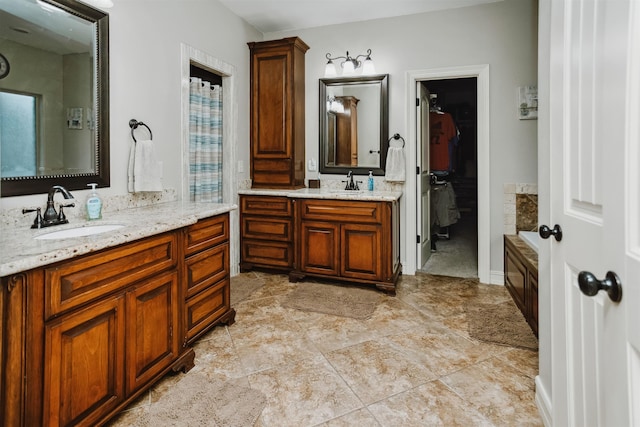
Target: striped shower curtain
205	141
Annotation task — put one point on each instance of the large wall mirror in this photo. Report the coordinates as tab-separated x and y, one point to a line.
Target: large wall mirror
354	124
54	96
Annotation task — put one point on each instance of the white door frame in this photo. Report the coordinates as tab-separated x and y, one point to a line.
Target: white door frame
481	72
188	55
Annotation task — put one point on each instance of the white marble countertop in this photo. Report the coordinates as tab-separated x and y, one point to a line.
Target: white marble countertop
21	252
328	193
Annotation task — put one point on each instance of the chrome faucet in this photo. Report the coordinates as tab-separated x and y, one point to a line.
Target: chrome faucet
351	185
51	217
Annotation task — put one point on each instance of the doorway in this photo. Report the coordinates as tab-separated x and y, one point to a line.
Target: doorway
410	204
454	200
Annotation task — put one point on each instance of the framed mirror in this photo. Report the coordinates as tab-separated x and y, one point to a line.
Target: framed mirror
54	99
354	123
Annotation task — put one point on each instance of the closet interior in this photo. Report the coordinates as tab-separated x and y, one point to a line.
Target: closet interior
453	163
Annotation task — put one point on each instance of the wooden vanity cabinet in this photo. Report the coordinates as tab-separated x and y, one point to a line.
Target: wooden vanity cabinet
521	278
111	327
266	232
83	338
277	134
350	240
207	277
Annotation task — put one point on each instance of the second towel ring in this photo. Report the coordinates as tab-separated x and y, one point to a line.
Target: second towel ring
396	136
133	124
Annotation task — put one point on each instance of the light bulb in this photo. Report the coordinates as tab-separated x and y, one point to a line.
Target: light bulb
348	68
330	70
368	67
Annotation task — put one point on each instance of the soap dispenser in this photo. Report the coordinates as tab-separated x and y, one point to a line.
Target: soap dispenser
370	181
94	204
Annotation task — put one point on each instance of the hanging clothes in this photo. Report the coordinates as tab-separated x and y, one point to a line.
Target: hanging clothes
205	141
443	136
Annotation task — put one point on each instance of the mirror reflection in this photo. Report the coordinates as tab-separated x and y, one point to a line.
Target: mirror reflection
353	124
53	95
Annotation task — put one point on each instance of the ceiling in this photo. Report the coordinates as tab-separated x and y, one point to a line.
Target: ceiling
284	15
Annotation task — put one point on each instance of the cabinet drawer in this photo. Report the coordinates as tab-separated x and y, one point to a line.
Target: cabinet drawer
275	254
88	278
271	173
266	206
343	211
206	268
207	233
280	229
206	307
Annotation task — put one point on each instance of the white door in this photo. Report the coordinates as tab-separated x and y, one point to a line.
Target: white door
424	185
594	190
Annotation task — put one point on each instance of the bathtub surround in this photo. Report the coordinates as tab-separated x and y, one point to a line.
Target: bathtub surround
520	207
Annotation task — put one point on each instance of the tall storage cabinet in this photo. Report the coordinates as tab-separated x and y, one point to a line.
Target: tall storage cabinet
277	113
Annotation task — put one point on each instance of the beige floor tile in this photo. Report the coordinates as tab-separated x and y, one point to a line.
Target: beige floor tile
376	370
498	390
442	353
431	404
303	393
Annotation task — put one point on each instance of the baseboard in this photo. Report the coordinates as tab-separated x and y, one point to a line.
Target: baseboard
497	277
543	402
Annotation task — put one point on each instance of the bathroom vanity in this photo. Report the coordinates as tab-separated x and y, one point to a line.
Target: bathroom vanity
352	236
90	323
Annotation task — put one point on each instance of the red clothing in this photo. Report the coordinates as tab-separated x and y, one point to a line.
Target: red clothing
442	130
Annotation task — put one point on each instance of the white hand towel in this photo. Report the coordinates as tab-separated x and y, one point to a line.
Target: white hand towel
145	171
395	171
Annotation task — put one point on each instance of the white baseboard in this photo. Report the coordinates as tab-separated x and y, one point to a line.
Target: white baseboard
543	403
497	277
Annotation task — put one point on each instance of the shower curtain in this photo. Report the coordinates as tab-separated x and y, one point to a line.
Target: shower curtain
205	141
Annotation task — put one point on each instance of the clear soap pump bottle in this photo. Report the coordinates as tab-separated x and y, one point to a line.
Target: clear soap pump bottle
94	204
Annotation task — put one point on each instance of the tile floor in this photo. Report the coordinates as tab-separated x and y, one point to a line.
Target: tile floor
411	364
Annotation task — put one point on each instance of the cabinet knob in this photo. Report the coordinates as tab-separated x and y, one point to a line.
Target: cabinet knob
546	232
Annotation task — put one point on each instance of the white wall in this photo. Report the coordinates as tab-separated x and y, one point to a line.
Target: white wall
503	35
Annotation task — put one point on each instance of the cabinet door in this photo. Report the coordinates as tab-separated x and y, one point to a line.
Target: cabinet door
320	248
152	317
361	251
515	278
83	364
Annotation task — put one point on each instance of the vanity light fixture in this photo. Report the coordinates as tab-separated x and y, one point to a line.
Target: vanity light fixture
350	64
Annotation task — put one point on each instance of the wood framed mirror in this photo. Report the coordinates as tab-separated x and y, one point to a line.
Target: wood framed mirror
58	52
354	123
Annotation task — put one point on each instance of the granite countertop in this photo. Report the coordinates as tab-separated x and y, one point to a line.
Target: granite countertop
21	252
526	251
328	193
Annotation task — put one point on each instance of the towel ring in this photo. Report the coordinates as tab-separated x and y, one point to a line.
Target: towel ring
396	136
133	124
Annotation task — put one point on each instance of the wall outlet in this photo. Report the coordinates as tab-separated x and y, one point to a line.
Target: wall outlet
311	165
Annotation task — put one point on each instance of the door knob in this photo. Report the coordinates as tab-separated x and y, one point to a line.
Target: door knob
590	286
546	232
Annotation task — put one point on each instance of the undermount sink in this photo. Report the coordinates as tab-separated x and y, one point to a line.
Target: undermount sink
88	230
